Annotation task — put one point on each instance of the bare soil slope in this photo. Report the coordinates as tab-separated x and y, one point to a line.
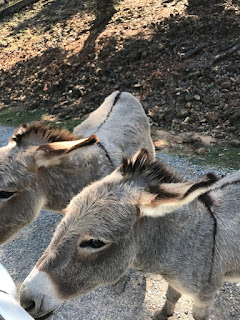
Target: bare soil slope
181	58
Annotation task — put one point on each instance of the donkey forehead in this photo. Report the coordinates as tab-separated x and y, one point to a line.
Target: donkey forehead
102	213
14	170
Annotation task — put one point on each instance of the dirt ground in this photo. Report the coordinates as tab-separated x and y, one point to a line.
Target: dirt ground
180	58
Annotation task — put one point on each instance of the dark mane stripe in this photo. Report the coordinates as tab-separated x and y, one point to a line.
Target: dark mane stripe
151	172
41	131
211	179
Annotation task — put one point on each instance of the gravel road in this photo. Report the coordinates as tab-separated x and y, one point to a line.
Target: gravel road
134	297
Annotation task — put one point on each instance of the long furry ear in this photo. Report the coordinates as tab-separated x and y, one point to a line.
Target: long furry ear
52	153
37	133
169	197
136	164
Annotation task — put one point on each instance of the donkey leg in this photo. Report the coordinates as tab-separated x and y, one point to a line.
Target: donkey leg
202	307
167	310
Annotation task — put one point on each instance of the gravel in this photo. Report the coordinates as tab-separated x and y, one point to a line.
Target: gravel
135	296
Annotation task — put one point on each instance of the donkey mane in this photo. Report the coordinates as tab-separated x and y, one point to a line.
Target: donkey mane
37	131
144	169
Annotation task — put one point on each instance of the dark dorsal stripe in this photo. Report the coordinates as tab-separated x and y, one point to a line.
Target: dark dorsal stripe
110	111
108	115
106	153
207	200
228	184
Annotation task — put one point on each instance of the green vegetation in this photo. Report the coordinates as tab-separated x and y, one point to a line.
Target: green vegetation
219	155
14	117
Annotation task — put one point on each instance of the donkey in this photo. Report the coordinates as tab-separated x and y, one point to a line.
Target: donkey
45	168
146	217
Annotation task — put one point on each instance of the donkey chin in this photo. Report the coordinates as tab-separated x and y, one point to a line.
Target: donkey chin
43	304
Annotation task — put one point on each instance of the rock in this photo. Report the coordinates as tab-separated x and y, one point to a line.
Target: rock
213	117
220	135
201	151
3	44
226	84
77	91
189	97
160	83
183	113
225	107
235	118
233	79
206	99
197	97
234	143
135	55
187	137
231	129
186	120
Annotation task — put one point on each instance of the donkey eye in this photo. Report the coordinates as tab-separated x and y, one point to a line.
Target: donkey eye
92	243
6	194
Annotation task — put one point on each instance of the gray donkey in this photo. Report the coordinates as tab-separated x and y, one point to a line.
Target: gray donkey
146	217
45	168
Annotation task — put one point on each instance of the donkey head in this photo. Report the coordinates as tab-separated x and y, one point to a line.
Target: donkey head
32	153
97	241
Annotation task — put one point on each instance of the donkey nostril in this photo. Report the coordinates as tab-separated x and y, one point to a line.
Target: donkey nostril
29	306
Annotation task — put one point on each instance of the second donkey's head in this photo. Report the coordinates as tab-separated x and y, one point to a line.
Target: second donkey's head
32	167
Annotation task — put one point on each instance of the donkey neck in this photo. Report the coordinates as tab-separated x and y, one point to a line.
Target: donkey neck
61	183
167	244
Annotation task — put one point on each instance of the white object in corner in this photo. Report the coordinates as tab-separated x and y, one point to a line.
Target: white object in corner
9	308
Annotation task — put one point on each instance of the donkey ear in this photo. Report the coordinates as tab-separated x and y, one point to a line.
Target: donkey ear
52	153
168	197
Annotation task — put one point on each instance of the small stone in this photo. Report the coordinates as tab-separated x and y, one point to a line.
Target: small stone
206	99
234	143
197	97
183	113
3	44
225	107
231	129
189	97
188	104
78	91
134	55
235	118
233	80
221	104
201	151
161	46
213	117
226	84
138	85
186	120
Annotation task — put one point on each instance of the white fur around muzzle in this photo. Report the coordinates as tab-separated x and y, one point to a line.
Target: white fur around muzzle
37	294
